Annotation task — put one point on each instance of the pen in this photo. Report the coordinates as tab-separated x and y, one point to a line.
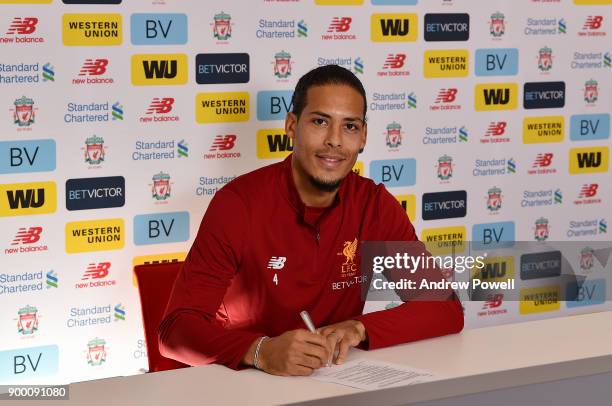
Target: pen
310	325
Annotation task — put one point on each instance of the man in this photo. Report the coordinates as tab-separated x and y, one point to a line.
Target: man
281	239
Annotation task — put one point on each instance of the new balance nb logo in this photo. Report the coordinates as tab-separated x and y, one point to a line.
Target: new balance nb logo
277	263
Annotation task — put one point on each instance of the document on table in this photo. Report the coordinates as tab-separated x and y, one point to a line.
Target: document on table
371	375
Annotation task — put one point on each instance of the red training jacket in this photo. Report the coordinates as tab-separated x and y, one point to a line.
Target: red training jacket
261	256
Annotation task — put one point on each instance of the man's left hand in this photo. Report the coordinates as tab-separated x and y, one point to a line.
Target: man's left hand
342	336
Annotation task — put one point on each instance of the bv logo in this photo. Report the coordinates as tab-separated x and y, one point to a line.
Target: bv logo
496	62
496	96
588	160
394	172
158	29
586	127
273	105
446	63
27	156
493	235
273	143
92	29
22	26
19	199
159	69
393	27
161	228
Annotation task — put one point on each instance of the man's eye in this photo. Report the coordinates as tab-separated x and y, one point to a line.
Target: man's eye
319	121
352	127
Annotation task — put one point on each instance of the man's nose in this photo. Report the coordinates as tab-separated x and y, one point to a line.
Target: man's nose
334	136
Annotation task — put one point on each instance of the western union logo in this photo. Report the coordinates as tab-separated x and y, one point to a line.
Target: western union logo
222	107
273	143
540	299
159	69
22	199
156	259
339	2
543	129
95	235
496	269
394	27
446	63
588	160
444	240
408	203
91	29
496	96
358	168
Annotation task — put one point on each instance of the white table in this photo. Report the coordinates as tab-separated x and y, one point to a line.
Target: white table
475	361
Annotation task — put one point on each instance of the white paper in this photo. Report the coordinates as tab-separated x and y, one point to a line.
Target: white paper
371	375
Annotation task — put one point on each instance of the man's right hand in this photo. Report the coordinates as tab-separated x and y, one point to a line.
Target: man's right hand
295	352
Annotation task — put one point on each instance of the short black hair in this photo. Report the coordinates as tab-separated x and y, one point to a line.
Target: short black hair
325	75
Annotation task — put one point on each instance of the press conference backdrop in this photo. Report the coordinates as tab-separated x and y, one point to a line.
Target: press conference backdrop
488	120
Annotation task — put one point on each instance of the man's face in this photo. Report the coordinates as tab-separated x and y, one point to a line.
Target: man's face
328	134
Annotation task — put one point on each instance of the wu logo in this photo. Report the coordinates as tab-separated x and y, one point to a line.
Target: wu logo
589	160
160	69
30	198
278	142
496	96
394	27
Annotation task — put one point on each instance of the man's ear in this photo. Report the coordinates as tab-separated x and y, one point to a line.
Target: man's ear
365	137
290	124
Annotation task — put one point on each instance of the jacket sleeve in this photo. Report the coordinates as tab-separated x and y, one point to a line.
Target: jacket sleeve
189	331
436	314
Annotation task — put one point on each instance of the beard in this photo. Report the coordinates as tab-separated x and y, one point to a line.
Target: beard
325	185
